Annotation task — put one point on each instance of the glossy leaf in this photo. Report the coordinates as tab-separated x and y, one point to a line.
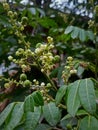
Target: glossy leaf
81	113
73	101
82	35
68	29
61	92
51	113
32	119
89	123
38	99
6	112
43	127
15	117
87	95
29	104
90	35
75	33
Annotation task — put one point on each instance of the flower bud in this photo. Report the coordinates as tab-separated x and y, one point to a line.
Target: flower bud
10	13
73	71
24	20
6	6
6	85
10	58
69	58
50	39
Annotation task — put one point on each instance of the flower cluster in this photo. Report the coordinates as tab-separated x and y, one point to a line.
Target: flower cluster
43	88
22	59
17	27
68	69
45	55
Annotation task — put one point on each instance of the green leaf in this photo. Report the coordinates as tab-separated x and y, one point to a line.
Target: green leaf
29	104
32	119
15	117
87	95
89	123
68	120
82	35
68	29
75	33
43	127
73	101
90	35
51	113
81	113
6	112
38	99
61	92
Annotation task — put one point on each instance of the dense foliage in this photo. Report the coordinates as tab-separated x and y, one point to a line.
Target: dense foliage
49	62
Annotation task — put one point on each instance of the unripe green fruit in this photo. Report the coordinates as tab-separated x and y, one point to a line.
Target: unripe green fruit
23	77
69	126
6	85
27	83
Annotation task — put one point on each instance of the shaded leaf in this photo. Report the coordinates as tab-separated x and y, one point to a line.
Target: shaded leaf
89	123
82	35
15	117
51	113
6	112
73	101
75	33
29	104
87	95
81	112
60	93
43	127
32	119
38	99
68	29
90	35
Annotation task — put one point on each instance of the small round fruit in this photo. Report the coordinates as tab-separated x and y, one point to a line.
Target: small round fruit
6	85
23	77
27	83
69	126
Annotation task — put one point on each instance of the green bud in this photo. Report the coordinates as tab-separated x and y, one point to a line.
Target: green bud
69	126
27	83
23	77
